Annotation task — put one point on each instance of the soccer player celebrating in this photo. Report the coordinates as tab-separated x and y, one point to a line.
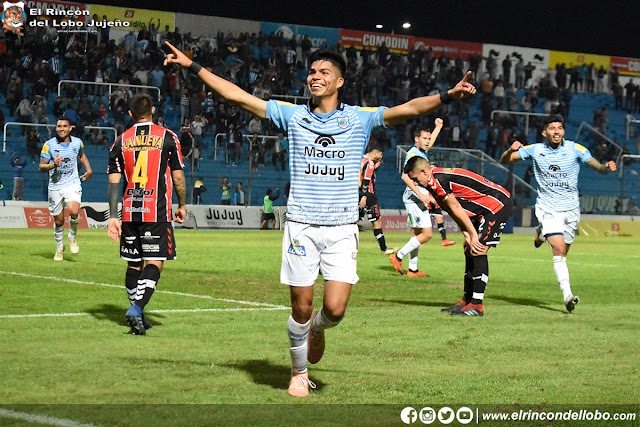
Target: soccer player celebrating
481	208
369	207
556	167
416	199
326	142
59	157
150	159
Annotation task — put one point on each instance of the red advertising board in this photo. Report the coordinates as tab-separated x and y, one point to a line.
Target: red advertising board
41	218
626	66
404	44
364	39
450	48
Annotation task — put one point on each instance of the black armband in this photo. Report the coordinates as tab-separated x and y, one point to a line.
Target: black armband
445	98
195	67
112	196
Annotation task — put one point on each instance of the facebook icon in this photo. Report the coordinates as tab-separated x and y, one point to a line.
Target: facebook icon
409	415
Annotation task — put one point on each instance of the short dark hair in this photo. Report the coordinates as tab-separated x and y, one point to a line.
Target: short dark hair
411	164
552	118
331	56
140	105
65	119
418	132
269	191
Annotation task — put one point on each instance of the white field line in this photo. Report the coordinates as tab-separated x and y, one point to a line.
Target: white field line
108	285
176	310
41	419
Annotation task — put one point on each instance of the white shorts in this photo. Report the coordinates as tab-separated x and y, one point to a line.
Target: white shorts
58	199
555	223
418	215
308	250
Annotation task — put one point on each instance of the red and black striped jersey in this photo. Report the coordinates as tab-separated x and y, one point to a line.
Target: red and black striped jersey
146	154
367	176
476	194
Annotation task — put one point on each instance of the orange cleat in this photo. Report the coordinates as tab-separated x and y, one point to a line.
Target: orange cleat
417	273
397	264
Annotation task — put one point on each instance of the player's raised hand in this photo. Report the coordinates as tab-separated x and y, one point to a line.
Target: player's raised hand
611	165
463	88
516	145
176	57
439	122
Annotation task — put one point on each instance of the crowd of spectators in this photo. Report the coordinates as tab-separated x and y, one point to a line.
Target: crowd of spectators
268	65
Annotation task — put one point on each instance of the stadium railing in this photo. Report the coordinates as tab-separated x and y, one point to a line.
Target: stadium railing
86	83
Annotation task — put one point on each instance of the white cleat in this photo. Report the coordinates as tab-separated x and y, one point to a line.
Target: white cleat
73	245
59	256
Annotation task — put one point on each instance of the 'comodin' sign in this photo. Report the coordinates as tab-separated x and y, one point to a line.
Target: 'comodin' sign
391	41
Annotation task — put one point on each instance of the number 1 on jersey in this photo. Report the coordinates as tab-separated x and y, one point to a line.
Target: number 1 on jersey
140	170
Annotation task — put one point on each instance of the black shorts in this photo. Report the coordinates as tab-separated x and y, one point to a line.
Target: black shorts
268	216
147	241
434	209
372	210
490	227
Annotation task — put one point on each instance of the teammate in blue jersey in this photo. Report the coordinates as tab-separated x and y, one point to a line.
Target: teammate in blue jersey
59	157
556	165
416	199
326	143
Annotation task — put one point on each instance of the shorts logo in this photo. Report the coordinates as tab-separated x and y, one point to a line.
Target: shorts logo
295	248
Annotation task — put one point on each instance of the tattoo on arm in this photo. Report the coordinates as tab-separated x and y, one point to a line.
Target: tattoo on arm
112	194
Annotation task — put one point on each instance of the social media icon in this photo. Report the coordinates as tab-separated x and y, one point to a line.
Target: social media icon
446	415
409	415
427	415
464	415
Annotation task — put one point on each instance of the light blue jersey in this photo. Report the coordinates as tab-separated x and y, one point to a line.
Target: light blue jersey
325	151
409	196
556	171
67	172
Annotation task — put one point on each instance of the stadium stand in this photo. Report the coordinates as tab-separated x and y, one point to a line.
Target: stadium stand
271	66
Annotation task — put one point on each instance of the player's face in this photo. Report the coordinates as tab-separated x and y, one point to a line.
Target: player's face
422	141
63	129
554	132
420	176
377	161
324	79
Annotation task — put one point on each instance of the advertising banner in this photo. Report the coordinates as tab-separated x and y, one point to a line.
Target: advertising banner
135	16
399	223
626	66
451	49
320	37
363	39
41	218
12	217
210	216
573	58
539	58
